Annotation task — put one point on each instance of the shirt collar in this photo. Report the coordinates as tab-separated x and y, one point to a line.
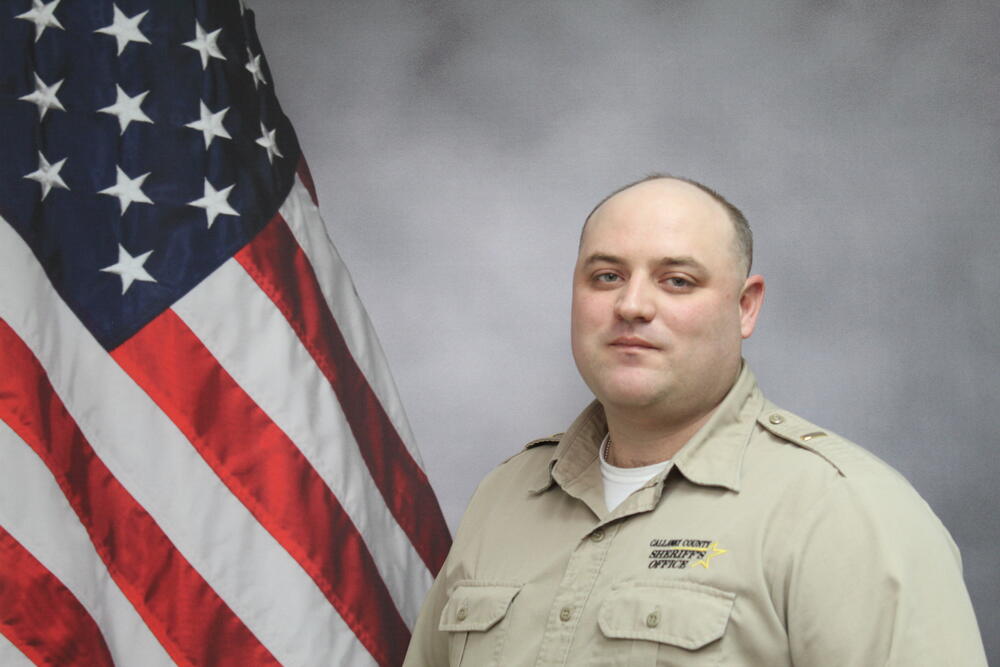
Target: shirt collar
712	457
577	449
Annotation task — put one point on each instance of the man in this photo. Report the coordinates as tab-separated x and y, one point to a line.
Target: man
683	519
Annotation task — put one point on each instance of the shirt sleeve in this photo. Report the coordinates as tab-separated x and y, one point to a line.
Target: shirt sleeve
428	645
875	579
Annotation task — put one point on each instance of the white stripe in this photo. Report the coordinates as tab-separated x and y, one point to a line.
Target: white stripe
307	226
11	656
303	405
36	513
249	570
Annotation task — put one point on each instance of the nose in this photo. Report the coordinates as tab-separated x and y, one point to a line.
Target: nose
635	303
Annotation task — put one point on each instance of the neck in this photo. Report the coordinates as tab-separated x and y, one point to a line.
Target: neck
638	442
648	434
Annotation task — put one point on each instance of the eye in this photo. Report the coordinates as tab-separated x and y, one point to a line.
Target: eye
678	282
606	277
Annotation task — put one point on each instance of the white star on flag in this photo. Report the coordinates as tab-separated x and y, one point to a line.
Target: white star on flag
44	96
42	15
48	175
125	29
214	202
205	44
268	141
127	190
127	108
130	268
253	66
210	124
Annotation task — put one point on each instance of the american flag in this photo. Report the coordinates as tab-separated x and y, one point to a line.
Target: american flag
203	460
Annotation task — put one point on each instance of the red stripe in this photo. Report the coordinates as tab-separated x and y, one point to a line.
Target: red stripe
268	473
278	265
302	169
40	616
194	625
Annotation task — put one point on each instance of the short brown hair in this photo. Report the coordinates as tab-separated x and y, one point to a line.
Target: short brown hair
744	237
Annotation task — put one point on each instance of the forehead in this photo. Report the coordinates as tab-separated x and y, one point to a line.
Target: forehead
663	215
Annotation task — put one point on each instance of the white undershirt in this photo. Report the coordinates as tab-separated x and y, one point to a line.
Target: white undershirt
619	483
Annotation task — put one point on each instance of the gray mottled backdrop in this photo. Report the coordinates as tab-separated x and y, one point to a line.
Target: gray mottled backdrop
457	147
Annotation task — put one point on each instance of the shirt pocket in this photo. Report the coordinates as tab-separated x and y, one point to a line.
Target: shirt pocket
474	618
665	622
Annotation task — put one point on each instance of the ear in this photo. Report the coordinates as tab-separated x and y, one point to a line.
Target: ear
751	298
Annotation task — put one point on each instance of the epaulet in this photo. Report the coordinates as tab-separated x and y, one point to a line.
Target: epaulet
794	429
551	440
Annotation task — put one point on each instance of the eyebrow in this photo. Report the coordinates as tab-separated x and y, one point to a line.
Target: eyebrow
682	261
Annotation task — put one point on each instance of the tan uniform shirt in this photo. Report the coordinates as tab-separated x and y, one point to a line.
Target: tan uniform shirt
769	542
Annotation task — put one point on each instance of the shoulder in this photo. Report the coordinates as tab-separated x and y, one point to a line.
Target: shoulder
540	449
850	522
831	479
846	458
547	442
505	496
525	471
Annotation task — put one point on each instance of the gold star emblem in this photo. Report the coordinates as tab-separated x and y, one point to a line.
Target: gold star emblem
711	552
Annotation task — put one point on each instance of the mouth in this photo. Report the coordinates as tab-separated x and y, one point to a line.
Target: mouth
633	343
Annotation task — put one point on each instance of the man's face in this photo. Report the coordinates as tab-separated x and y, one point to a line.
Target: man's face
660	304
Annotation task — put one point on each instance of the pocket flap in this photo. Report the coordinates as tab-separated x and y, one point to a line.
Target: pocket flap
679	613
476	606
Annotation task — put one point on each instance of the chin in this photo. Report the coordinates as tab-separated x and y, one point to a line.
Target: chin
631	394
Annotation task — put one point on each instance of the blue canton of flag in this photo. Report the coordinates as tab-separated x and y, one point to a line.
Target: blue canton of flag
144	147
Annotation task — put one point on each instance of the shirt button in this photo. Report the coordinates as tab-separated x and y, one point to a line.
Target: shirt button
653	620
463	613
565	614
776	418
597	535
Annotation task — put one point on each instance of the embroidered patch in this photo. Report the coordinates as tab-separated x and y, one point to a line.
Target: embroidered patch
679	554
